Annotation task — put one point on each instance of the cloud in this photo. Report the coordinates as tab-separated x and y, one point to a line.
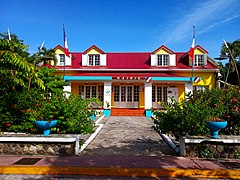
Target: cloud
205	16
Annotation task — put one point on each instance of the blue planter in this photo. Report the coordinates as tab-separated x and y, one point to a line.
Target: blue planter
46	126
107	112
148	113
93	117
215	127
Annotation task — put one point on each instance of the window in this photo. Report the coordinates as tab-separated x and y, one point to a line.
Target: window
62	59
198	60
94	59
159	93
163	60
91	91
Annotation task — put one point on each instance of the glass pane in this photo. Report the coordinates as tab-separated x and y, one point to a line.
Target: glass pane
154	94
87	91
97	60
129	93
159	93
116	93
165	94
123	93
100	92
136	93
94	91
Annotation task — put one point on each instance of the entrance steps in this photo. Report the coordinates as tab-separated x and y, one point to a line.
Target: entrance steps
127	112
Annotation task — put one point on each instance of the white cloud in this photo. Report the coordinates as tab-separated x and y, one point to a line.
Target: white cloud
204	16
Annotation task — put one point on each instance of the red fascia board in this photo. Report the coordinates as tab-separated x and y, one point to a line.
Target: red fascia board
163	47
200	47
58	47
93	47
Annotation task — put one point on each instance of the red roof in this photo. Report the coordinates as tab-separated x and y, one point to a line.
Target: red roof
134	60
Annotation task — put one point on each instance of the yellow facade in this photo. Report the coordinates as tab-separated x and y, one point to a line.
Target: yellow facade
162	51
93	51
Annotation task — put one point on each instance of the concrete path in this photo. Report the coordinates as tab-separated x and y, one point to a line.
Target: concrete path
128	136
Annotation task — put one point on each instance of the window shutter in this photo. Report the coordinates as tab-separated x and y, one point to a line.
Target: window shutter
205	60
84	60
103	59
172	59
153	60
58	59
68	60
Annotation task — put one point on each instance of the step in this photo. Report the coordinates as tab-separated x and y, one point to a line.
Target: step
127	112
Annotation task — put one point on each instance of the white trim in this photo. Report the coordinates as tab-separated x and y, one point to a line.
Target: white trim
143	70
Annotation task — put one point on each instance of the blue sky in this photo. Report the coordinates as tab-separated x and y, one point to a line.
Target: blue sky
123	25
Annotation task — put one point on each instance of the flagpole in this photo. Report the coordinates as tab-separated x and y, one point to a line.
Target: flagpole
193	44
64	54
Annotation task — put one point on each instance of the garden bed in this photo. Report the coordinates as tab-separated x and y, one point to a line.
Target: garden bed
207	147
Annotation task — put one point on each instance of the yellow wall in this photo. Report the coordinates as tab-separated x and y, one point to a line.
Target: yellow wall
162	51
198	51
181	92
93	51
208	78
59	51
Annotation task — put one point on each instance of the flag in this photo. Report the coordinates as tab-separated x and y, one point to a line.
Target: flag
41	45
191	52
65	43
148	79
197	79
9	36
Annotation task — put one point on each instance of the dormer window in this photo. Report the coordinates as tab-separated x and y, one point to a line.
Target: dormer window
94	59
163	60
199	60
62	59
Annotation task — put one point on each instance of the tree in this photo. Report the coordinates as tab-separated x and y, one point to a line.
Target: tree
15	65
232	72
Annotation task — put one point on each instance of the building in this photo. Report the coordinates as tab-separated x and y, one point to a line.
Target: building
135	79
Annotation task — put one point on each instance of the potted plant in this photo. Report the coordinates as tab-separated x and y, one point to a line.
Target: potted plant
107	110
45	113
215	124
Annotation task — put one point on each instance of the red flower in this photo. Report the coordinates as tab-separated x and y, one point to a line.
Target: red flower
21	110
37	105
8	125
28	110
2	122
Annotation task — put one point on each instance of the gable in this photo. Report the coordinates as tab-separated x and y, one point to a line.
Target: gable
199	51
93	50
59	51
162	51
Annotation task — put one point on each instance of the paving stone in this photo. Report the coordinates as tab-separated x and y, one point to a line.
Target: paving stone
130	136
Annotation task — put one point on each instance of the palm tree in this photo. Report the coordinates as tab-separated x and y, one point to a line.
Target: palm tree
48	55
233	53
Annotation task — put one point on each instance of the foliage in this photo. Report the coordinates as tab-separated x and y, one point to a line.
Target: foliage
28	92
73	113
15	68
228	71
189	116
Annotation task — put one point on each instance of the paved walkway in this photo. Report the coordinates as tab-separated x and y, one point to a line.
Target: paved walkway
128	136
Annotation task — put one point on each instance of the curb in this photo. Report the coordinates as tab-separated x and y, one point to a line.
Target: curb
121	171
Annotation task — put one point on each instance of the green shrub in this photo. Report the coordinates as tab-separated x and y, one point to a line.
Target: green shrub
189	116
